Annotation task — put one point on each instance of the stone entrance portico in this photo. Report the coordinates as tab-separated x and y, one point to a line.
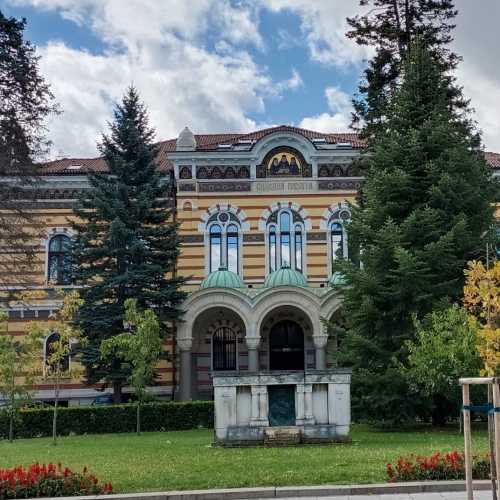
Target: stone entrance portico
251	314
261	354
320	405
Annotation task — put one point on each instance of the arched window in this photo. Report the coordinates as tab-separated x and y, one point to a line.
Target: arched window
232	248
224	349
337	233
337	240
59	260
285	241
224	243
273	263
215	247
51	362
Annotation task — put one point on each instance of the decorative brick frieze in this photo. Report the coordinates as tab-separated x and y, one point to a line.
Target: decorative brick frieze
253	238
223	172
191	238
186	187
319	236
331	185
224	187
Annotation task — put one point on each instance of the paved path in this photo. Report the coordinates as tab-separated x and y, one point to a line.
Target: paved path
478	495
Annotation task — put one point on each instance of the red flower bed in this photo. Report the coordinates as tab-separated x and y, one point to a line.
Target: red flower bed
48	481
439	466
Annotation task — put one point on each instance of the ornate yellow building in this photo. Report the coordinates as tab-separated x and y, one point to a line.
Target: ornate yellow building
261	222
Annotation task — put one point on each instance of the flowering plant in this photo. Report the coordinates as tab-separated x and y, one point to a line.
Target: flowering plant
48	481
439	466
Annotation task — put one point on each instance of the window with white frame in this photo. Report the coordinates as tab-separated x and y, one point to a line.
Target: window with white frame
224	242
338	235
285	233
59	260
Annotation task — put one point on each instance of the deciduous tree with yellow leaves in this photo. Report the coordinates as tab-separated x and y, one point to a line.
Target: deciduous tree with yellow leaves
482	299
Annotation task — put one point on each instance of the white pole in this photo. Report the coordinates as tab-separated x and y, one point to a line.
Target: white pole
496	404
467	438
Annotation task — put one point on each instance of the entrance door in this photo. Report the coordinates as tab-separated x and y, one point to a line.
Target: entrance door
281	405
286	346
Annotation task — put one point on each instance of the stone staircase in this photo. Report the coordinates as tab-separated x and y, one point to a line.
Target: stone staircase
282	436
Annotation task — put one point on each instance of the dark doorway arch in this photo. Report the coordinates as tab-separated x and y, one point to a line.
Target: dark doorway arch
224	349
286	346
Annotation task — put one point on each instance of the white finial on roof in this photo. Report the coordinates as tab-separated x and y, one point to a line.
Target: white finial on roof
186	141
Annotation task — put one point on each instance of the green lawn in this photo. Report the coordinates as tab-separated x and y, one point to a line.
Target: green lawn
185	459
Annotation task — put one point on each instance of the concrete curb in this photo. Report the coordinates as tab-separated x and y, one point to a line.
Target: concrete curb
298	491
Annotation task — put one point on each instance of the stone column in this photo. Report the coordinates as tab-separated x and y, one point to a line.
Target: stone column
300	410
185	346
320	342
308	404
253	353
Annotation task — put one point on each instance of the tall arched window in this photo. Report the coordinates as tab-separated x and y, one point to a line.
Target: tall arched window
224	243
285	240
340	217
51	362
215	247
59	260
224	349
337	240
232	248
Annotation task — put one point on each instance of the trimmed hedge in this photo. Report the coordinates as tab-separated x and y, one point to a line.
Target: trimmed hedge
37	422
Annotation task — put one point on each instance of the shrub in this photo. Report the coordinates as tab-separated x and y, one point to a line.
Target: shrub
37	422
49	480
437	467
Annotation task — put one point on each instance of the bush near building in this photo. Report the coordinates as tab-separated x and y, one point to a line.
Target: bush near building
110	419
437	467
38	481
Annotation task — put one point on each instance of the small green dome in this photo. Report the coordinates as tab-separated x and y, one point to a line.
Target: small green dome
337	279
285	277
222	279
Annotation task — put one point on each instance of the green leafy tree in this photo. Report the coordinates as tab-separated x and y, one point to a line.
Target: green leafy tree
426	200
56	367
390	26
140	347
26	102
126	244
15	380
444	349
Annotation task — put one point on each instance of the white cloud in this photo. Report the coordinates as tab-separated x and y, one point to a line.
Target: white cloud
339	103
479	73
160	48
323	24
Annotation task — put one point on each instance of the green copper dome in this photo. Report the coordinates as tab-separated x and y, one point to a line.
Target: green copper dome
285	277
337	279
222	279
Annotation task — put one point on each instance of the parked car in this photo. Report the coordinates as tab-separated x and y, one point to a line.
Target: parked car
104	399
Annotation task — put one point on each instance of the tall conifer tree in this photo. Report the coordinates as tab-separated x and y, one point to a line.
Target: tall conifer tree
26	102
390	26
425	203
126	244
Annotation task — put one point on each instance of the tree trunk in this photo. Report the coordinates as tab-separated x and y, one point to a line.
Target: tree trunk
117	391
11	426
54	419
138	414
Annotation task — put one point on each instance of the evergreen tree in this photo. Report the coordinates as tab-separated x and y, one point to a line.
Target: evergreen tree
426	201
25	103
126	244
390	26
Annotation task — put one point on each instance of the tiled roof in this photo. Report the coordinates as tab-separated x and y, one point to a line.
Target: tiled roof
210	142
493	159
259	134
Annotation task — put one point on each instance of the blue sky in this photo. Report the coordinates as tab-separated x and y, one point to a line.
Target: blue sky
220	65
